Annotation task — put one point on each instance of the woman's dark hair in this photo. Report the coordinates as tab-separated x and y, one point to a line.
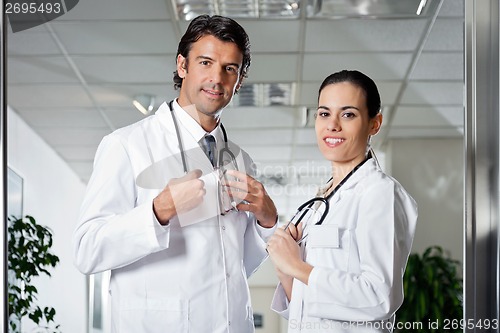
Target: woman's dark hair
361	80
223	28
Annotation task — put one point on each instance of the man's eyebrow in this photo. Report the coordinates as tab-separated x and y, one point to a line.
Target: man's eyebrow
204	57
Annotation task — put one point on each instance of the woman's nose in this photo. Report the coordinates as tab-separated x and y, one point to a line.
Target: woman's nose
333	125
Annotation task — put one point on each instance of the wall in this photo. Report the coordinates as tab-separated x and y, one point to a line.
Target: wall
262	285
432	171
52	195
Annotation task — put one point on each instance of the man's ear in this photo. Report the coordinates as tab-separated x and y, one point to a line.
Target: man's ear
376	123
238	85
181	66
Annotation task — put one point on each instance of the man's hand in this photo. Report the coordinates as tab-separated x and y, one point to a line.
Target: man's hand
252	197
179	196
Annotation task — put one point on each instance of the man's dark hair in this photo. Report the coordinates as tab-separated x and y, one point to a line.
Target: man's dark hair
223	28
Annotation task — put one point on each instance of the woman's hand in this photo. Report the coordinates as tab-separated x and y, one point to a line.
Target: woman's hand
285	253
295	232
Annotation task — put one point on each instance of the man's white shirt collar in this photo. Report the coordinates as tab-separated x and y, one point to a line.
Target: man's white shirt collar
192	126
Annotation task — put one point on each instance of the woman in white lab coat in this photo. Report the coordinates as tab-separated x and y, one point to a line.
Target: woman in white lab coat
346	275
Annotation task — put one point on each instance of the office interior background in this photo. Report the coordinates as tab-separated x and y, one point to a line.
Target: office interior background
72	80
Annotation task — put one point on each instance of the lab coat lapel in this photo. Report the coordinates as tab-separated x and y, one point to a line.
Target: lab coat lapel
353	180
165	160
195	156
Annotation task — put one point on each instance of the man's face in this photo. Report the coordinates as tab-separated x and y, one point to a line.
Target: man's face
211	75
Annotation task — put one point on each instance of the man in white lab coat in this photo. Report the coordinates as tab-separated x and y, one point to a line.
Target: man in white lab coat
151	213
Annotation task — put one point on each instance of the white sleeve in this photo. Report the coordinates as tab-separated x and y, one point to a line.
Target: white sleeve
280	303
384	235
256	236
112	231
255	245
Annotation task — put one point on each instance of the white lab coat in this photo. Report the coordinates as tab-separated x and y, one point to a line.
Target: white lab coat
164	278
359	254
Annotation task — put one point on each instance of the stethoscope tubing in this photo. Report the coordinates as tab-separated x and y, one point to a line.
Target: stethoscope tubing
307	205
325	200
181	145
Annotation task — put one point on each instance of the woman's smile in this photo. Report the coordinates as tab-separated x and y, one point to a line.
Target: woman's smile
333	141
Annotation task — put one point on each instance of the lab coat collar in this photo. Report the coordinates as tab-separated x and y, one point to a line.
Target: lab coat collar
362	172
190	133
189	125
365	169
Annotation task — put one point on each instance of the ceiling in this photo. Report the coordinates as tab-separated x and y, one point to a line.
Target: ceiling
73	79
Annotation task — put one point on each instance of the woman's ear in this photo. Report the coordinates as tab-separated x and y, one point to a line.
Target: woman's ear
376	123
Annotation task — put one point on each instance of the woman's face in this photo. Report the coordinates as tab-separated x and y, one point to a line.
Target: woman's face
343	125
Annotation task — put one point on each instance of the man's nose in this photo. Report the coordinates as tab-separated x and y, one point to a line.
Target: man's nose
216	75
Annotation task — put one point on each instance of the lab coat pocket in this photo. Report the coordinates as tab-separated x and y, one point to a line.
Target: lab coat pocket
153	315
328	246
324	236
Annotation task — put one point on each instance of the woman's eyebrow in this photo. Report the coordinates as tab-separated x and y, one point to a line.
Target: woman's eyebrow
347	107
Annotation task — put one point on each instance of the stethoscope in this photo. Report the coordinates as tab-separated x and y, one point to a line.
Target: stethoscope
308	205
225	150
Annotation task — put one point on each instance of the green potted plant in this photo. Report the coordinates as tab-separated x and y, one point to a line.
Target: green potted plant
433	294
29	255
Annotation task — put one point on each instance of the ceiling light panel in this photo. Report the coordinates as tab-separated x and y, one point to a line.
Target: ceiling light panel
279	9
189	9
370	8
265	94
